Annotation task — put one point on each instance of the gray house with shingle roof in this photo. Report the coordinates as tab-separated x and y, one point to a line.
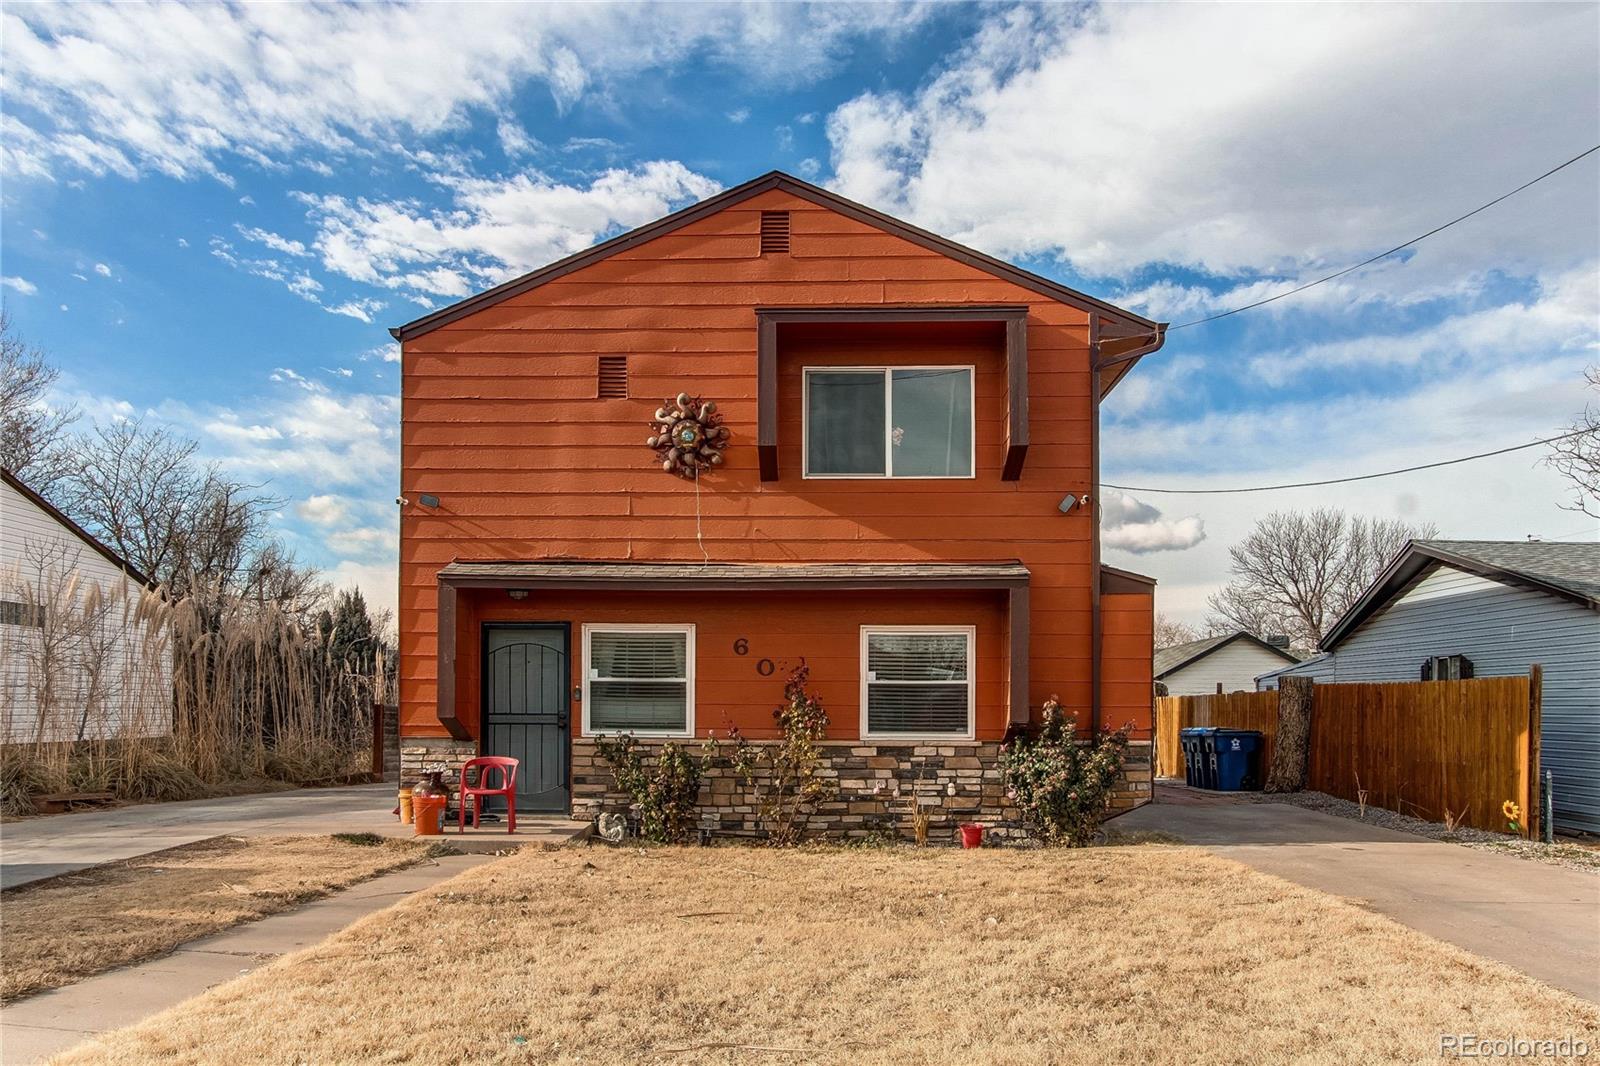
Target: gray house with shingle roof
1449	609
1228	662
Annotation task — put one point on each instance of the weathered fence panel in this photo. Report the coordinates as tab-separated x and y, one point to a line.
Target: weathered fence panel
1433	749
1227	710
1427	748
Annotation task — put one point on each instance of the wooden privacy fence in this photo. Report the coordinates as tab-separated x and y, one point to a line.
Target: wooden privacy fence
1431	749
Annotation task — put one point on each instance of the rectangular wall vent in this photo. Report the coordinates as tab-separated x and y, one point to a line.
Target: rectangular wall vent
613	377
774	232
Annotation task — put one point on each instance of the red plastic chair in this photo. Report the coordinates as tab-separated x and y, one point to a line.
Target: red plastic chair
487	765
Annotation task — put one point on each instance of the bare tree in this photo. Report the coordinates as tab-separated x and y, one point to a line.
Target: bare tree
1578	458
31	431
1298	571
1170	632
142	490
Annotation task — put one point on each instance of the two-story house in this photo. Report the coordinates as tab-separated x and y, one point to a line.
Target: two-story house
904	500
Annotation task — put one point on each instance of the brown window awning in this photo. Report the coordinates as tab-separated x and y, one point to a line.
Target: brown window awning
1014	320
1011	577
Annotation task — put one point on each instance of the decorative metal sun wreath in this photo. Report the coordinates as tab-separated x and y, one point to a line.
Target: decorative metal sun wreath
689	436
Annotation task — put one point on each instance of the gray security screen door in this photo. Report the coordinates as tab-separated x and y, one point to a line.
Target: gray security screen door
525	686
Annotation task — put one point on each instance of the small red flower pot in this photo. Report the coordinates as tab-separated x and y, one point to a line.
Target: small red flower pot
972	836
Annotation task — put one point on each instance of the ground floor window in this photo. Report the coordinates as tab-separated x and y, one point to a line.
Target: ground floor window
917	682
639	679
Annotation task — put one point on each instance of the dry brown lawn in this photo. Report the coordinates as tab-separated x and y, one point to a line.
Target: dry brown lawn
61	930
1111	955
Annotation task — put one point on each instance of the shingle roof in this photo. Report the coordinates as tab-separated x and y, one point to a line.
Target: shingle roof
1180	655
1574	567
1570	571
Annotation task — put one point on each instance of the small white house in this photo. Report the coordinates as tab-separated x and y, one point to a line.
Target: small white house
82	654
1449	609
1225	663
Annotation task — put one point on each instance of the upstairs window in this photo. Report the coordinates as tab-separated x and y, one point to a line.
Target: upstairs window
640	679
1447	668
916	682
906	422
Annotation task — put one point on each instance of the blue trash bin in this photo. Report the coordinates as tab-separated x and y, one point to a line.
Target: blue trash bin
1199	770
1193	745
1237	760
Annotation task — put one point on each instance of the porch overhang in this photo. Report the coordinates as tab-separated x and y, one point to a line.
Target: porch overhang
1012	578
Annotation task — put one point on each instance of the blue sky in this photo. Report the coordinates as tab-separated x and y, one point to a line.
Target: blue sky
211	215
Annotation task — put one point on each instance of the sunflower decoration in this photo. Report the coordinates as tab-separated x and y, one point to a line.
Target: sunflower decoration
1513	813
688	435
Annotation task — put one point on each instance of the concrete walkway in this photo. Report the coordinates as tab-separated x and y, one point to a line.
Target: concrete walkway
1543	920
35	1028
33	848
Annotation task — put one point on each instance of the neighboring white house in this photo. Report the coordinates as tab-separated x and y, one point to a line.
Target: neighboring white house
82	655
1447	609
1231	660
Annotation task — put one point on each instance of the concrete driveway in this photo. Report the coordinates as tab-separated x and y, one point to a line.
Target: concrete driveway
1543	920
33	848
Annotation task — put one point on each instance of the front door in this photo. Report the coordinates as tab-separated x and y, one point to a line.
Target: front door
525	685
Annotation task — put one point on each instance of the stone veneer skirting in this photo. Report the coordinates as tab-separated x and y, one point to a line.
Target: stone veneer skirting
878	786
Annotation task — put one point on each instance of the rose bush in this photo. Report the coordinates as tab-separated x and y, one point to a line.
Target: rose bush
1063	785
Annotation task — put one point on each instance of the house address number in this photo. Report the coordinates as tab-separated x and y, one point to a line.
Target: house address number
764	667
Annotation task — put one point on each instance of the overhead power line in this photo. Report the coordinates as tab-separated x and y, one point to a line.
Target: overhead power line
1346	480
1368	261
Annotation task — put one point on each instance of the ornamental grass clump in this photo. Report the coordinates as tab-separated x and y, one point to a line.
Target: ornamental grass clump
1063	786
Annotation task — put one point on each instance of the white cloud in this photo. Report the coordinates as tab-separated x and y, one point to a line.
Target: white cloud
272	240
247	200
361	310
738	115
122	88
1139	528
21	285
495	228
367	541
514	140
182	242
103	270
324	509
1237	138
379	582
1561	317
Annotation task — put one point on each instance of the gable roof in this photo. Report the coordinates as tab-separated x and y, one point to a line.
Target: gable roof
82	534
1170	660
1568	571
1131	326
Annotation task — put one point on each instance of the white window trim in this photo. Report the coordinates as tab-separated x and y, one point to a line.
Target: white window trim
888	422
589	629
971	633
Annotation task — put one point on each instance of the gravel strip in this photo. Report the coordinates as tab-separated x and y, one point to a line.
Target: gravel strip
1561	853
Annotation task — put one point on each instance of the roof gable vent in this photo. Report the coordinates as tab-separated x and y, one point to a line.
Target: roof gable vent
774	233
613	384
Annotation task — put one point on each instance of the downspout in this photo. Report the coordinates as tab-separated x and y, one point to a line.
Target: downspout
1094	523
1098	363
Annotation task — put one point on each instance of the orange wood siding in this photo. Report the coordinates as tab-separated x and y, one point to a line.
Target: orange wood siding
502	422
823	628
1127	650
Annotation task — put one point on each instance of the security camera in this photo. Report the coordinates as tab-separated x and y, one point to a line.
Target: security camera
401	500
